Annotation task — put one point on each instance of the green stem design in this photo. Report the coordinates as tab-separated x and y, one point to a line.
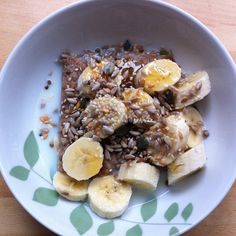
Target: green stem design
50	183
146	223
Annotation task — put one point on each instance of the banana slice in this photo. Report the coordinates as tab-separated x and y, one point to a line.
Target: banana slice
83	159
158	75
167	140
70	188
195	123
104	115
108	197
140	106
140	174
89	81
186	164
192	89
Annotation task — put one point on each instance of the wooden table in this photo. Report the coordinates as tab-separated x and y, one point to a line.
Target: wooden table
18	16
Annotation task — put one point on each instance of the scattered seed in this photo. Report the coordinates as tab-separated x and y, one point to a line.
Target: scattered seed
108	68
110	149
75	114
80	132
45	119
72	100
115	72
134	133
123	144
107	154
95	86
205	133
134	107
151	109
42	105
127	45
66	127
107	130
51	144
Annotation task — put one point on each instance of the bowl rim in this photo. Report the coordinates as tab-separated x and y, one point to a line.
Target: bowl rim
61	10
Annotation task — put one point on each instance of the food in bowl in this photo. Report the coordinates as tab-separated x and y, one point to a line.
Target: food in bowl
126	112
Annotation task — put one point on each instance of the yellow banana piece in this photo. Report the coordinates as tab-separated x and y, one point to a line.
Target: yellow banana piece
83	159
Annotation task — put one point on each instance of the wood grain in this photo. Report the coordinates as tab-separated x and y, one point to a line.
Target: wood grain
18	16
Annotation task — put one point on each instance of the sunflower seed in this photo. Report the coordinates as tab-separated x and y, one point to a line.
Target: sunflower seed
107	130
76	114
113	91
146	104
123	144
88	134
138	113
110	149
66	127
104	121
96	86
72	100
107	154
151	109
80	132
108	68
69	90
70	134
96	138
134	133
115	72
134	107
73	130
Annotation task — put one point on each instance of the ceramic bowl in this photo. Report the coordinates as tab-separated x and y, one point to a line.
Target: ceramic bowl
27	162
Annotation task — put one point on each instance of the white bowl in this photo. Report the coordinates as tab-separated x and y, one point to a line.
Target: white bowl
86	25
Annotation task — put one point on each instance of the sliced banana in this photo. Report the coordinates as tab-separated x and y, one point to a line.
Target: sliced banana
158	75
140	106
195	123
186	164
104	115
192	89
167	140
70	188
83	159
89	81
108	197
139	174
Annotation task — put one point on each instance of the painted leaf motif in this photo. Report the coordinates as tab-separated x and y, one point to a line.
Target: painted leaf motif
172	212
46	196
31	150
134	231
81	219
148	209
187	211
173	231
106	228
20	172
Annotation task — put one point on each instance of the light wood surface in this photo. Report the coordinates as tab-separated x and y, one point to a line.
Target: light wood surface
18	16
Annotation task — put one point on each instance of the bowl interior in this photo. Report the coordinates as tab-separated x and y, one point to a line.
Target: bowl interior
91	24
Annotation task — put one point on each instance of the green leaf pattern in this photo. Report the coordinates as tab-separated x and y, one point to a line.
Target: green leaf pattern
187	211
31	150
172	212
106	228
148	209
20	172
134	231
173	231
81	219
46	196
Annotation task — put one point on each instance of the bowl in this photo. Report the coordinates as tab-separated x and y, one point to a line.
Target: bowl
27	162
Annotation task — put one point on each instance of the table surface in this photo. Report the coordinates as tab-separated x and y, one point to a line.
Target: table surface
18	16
